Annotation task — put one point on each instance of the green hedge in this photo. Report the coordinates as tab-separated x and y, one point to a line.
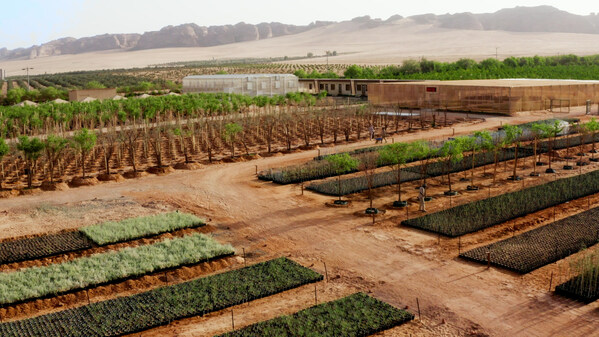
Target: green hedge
353	316
485	213
37	282
130	314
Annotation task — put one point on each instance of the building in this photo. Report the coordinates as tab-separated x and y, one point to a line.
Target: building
245	84
494	96
81	95
340	86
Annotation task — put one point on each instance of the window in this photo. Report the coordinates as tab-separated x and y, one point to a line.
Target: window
347	87
359	87
310	86
431	89
263	85
277	85
332	87
321	86
326	87
250	86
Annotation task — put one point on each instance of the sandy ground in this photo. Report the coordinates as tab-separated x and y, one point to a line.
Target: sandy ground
398	265
385	44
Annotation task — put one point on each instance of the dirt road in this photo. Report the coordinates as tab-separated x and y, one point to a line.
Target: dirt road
395	264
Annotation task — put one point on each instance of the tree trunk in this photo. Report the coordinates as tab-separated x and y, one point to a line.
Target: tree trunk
399	183
515	161
83	163
339	186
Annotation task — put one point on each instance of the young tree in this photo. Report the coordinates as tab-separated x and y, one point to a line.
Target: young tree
396	154
182	134
84	141
538	132
4	150
552	131
32	149
422	151
54	146
230	134
368	165
451	152
484	142
593	127
341	163
513	133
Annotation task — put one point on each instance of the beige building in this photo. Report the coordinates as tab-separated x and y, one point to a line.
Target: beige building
495	96
339	86
245	84
81	95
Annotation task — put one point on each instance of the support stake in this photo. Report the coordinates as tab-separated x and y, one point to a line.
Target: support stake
326	272
245	264
418	305
232	320
550	281
315	296
488	259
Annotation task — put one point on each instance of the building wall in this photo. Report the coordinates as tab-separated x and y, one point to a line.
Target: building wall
494	99
252	86
80	95
340	86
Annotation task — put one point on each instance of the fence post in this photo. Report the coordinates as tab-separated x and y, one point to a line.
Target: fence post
459	245
244	259
488	259
418	305
315	296
550	281
232	320
326	272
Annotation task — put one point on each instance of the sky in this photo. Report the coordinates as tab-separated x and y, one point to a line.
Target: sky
24	23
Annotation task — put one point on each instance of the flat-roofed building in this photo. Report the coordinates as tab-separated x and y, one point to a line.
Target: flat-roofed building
340	86
506	96
245	84
101	94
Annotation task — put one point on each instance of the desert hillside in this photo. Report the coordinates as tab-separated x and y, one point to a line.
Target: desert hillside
361	41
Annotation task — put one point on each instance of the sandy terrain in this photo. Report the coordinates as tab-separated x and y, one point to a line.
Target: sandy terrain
398	265
386	44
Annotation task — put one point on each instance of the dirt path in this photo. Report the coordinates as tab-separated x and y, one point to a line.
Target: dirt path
395	264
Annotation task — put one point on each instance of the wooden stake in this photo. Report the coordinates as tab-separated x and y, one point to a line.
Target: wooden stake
256	169
87	293
244	259
459	245
232	320
315	296
550	281
326	272
488	259
418	305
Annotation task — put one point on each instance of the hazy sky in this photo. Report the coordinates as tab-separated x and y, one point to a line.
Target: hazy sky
27	22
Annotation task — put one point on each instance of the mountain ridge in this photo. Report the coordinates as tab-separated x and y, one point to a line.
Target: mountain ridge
517	19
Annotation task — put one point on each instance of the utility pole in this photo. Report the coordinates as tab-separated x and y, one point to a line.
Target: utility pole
28	86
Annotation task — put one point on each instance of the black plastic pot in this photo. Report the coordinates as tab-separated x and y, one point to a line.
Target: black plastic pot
568	167
549	170
540	163
516	178
400	204
534	174
472	188
450	193
582	163
341	202
372	210
428	198
594	160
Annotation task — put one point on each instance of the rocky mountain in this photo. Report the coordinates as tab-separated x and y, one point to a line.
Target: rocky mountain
186	35
518	19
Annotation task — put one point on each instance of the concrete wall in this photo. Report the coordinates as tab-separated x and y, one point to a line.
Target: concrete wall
251	85
494	99
80	95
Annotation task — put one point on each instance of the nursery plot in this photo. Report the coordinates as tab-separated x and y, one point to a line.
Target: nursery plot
583	287
42	246
51	280
477	215
353	316
161	306
412	173
100	234
135	228
541	246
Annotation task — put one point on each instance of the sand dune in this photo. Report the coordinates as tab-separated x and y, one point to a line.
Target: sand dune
385	44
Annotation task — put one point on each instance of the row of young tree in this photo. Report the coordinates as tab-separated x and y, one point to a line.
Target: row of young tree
549	67
159	143
59	118
453	151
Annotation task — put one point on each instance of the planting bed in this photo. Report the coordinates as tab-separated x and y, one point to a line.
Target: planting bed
355	315
584	287
412	173
485	213
43	246
161	306
538	247
38	282
101	234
